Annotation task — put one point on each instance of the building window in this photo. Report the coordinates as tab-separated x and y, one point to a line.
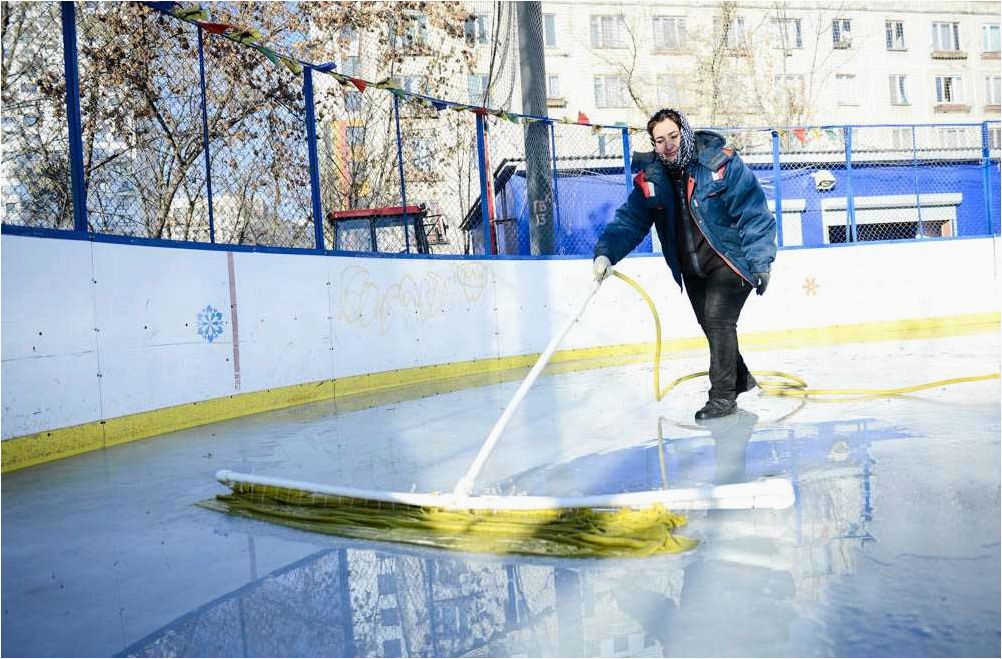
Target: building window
901	139
788	34
476	28
949	89
607	31
899	89
990	38
411	84
845	85
610	92
355	135
733	34
946	36
419	152
993	91
895	34
669	32
552	86
350	65
668	96
842	33
409	31
549	30
952	138
477	85
995	137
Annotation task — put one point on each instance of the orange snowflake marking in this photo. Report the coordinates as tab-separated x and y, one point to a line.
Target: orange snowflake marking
810	286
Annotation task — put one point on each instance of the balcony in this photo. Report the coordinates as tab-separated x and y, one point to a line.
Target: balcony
949	54
947	108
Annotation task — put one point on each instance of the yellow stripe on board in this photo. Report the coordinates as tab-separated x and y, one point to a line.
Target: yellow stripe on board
363	391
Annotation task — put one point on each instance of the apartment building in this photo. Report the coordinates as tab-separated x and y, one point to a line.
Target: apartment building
833	63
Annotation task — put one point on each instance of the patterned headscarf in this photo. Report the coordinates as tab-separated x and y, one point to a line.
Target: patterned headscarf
686	145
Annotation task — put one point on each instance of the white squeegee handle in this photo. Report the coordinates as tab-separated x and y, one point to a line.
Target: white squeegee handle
465	484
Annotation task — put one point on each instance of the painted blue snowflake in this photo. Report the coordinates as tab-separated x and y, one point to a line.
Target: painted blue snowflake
210	323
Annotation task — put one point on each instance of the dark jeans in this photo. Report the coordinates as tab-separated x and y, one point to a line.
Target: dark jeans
717	301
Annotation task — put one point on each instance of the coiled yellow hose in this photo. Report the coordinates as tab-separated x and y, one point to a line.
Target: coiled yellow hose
779	383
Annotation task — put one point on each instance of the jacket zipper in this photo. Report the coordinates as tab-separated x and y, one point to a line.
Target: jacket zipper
699	221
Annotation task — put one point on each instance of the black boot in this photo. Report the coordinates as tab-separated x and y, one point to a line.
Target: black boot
745	384
716	407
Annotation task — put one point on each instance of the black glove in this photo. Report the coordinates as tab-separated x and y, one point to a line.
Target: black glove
763	282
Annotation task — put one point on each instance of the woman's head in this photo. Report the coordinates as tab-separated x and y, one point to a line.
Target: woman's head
671	137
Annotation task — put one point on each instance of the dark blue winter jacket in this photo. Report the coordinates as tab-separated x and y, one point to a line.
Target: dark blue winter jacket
727	203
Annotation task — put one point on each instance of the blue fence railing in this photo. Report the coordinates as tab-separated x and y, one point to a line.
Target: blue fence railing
126	119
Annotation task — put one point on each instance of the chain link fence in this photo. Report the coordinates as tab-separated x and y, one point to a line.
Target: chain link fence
228	160
36	164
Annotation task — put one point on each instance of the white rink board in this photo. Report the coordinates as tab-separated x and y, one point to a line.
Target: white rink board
119	330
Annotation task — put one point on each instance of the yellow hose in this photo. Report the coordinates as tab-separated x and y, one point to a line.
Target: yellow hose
779	383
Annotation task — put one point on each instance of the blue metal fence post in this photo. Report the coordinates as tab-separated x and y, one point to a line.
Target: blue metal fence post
205	137
556	194
915	181
482	166
850	198
73	120
986	172
311	147
400	168
626	161
777	187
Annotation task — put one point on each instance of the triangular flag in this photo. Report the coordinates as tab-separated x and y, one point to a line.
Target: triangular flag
245	36
583	118
163	6
385	83
800	134
439	105
291	64
191	13
326	67
267	52
359	84
216	28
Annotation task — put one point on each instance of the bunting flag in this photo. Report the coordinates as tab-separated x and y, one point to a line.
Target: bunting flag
800	134
191	13
168	7
583	118
217	28
267	52
291	64
385	83
439	105
245	36
359	84
326	67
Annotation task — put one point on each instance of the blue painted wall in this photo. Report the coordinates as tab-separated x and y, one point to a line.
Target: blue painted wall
587	203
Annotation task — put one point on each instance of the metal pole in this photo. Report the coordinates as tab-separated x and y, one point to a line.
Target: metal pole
556	196
918	197
627	173
532	70
400	168
850	199
986	169
311	144
482	165
777	187
205	137
74	124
